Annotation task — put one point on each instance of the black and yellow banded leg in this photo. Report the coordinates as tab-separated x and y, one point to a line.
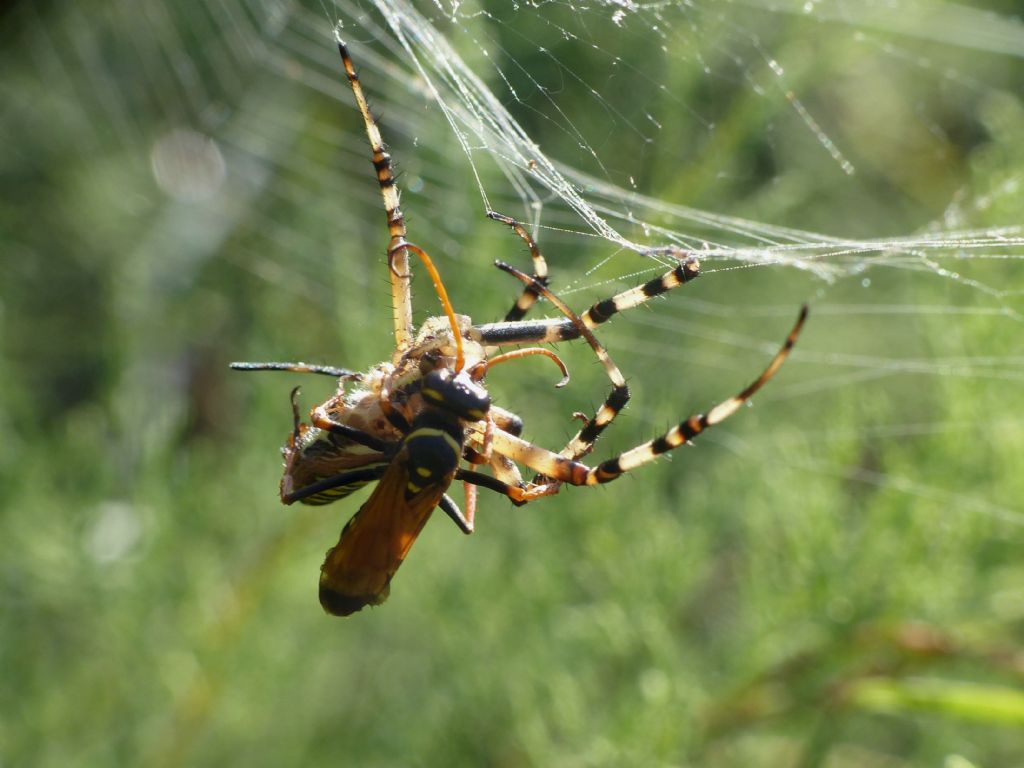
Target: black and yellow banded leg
547	464
554	330
401	296
570	326
506	420
558	469
604	310
503	467
540	269
693	426
583	442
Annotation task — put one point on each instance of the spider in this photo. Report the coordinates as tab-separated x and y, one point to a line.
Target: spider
410	423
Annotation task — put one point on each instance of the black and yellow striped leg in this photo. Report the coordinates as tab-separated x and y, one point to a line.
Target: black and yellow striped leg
690	428
506	420
547	464
546	331
583	442
561	469
554	330
540	269
604	310
503	467
572	327
401	296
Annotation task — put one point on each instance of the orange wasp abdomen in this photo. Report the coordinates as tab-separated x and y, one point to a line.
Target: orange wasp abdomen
358	569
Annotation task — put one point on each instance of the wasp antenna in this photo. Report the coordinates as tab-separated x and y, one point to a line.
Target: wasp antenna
442	294
323	370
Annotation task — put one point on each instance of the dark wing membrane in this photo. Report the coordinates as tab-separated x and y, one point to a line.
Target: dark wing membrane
358	570
320	458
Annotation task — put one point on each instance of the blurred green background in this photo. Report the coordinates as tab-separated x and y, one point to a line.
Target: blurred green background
832	578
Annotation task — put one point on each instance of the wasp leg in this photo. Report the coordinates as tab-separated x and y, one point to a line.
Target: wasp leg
452	510
322	421
362	475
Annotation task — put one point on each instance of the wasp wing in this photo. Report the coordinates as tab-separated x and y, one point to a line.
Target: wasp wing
358	569
313	455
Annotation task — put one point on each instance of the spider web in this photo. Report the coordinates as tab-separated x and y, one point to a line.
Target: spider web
574	199
784	179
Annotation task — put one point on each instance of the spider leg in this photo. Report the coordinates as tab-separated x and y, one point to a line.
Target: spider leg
398	258
561	469
470	493
547	464
553	330
690	428
583	442
503	467
572	327
546	331
685	271
540	269
442	294
506	420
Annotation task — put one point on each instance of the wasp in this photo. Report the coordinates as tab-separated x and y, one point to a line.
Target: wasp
407	423
413	475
